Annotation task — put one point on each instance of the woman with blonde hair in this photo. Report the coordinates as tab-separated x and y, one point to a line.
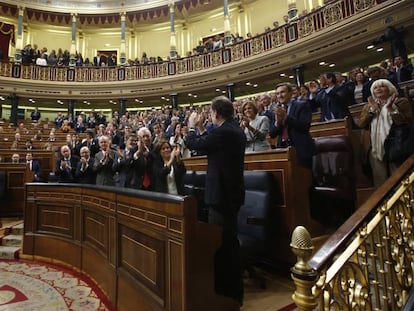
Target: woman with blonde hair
383	111
256	128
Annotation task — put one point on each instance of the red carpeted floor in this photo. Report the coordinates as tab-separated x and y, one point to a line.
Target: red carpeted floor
27	285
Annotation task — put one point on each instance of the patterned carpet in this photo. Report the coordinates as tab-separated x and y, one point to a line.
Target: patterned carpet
29	286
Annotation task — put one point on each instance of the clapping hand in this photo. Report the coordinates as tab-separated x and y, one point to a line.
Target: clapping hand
280	113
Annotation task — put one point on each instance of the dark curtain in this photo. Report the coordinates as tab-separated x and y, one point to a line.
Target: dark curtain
6	38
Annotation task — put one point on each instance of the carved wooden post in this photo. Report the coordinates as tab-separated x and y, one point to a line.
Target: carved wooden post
303	275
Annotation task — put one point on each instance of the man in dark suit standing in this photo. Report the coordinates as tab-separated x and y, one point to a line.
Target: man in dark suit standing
292	123
224	194
66	165
84	169
98	60
332	101
104	160
34	166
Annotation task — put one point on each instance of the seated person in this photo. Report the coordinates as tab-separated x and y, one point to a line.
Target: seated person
15	159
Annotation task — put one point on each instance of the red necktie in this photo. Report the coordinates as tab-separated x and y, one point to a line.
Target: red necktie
285	134
146	181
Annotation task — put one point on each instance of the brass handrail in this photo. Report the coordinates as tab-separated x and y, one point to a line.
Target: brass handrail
367	264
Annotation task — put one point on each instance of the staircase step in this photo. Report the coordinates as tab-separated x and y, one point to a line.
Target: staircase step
9	252
12	240
17	229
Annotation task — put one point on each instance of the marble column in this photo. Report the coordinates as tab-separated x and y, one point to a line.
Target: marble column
230	91
14	102
122	106
174	100
122	50
71	108
72	59
19	39
299	74
173	43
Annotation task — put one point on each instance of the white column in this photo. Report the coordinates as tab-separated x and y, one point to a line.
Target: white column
122	57
19	37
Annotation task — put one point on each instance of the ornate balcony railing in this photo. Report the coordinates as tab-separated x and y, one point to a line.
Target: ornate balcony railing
316	21
367	264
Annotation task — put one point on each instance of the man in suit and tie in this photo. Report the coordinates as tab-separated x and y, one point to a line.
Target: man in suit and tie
34	166
103	163
66	165
143	160
224	189
98	60
84	173
123	163
292	123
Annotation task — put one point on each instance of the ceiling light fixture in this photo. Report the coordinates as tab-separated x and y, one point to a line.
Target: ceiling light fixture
371	46
380	49
322	63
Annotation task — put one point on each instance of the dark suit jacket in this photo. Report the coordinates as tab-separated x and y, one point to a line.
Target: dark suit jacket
124	170
224	146
88	176
334	105
160	173
67	175
104	172
141	166
36	170
298	122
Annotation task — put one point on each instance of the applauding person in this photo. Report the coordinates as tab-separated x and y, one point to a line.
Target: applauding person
102	165
168	169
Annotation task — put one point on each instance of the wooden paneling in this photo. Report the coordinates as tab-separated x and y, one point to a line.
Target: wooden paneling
142	248
291	207
13	202
46	158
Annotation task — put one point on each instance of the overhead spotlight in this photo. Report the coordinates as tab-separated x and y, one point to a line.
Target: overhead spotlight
291	77
163	97
1	98
322	63
195	96
224	92
189	94
217	90
248	83
371	46
85	101
380	49
88	103
111	101
255	85
332	65
283	75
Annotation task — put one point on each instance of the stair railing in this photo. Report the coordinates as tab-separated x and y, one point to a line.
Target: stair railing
368	263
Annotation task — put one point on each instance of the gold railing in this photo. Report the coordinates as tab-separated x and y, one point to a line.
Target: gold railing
368	263
325	17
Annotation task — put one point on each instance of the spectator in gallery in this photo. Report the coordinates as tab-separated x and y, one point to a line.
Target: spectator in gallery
35	115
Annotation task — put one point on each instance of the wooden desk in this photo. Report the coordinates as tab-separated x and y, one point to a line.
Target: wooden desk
146	250
331	128
292	192
13	202
47	159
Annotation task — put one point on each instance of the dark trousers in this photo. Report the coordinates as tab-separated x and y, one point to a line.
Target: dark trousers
227	261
